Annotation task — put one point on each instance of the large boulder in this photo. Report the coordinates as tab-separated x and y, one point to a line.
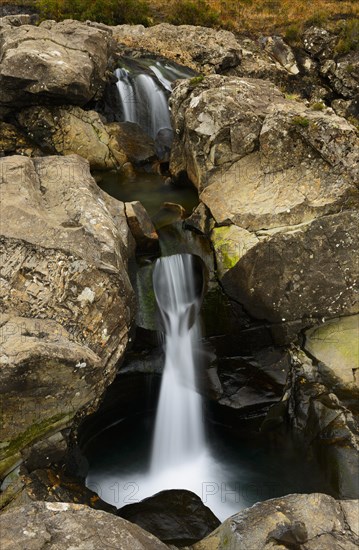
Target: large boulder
310	522
61	62
279	180
200	48
66	298
176	517
68	130
62	526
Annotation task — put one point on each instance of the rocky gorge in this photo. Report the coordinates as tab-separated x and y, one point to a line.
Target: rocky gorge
268	136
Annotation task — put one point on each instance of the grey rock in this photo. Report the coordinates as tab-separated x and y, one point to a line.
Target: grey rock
62	62
200	48
62	526
311	522
66	298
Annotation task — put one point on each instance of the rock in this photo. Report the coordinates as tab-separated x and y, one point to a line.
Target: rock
141	227
66	298
169	213
200	220
62	526
176	517
13	141
217	122
343	74
280	51
253	384
279	179
335	345
53	485
137	145
324	423
294	273
319	42
16	20
312	522
200	48
68	130
61	62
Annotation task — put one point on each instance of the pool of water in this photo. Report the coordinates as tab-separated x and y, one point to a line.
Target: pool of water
229	475
151	190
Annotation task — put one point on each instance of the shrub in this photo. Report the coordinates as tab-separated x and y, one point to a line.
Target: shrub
318	106
111	12
349	37
188	12
300	121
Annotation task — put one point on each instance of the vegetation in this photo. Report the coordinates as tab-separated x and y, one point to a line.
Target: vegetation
111	12
287	17
318	106
300	121
196	80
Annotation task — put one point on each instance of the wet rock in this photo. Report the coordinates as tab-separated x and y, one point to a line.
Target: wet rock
169	213
66	298
314	522
176	517
62	62
141	227
253	384
200	48
335	345
71	130
325	423
138	146
62	526
13	141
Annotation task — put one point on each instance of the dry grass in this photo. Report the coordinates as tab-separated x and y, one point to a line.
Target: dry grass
269	16
287	17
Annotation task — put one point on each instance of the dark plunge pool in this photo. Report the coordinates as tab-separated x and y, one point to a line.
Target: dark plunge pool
232	473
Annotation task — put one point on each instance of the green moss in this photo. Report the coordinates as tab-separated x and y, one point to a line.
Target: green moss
317	106
196	80
227	251
11	453
300	121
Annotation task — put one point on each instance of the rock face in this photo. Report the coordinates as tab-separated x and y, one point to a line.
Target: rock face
280	182
62	62
60	526
200	48
323	410
176	517
66	298
70	130
310	522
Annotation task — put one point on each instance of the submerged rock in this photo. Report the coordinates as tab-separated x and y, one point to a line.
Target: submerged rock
311	522
66	298
176	517
62	526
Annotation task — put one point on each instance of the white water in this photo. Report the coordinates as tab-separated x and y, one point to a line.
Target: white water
179	432
143	101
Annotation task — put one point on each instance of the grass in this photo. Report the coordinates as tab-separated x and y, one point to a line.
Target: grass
287	17
300	121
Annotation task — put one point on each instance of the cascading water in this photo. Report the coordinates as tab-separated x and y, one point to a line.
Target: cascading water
179	432
143	89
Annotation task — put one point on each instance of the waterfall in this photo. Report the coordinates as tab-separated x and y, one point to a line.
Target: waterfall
143	101
143	87
179	434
